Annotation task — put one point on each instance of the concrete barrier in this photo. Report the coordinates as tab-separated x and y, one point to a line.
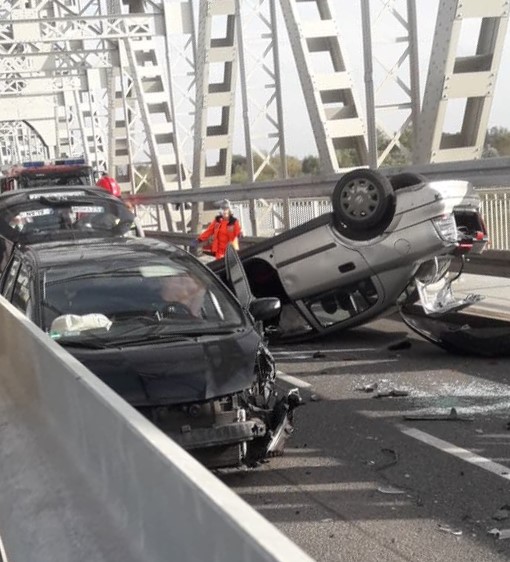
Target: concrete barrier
83	476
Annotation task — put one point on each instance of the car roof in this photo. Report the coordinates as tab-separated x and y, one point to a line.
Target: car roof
68	252
20	196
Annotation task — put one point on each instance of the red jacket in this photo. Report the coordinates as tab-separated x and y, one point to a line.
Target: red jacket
223	232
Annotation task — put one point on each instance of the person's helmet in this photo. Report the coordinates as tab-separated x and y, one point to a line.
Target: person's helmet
109	184
225	204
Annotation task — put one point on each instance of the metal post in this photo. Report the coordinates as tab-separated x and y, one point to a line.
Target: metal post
278	86
246	117
369	84
414	68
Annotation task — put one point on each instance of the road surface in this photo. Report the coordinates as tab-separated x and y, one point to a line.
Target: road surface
360	483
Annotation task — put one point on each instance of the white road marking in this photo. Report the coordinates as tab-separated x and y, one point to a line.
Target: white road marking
321	350
293	381
463	454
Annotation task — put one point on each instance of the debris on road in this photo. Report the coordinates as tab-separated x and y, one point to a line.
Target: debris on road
502	513
392	393
500	534
452	416
400	345
368	387
315	398
319	355
450	530
388	489
392	462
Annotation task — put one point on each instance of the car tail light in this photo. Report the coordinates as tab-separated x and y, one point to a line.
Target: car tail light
446	227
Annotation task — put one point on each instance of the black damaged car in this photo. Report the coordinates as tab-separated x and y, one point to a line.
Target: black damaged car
166	334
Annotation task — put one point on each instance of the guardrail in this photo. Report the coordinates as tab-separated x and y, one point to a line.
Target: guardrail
495	209
86	477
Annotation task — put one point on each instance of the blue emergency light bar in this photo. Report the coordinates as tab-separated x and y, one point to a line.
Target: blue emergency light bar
70	162
33	164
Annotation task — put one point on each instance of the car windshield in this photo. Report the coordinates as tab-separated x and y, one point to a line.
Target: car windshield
45	214
80	176
138	299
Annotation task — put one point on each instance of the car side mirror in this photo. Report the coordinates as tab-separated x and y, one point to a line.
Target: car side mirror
265	308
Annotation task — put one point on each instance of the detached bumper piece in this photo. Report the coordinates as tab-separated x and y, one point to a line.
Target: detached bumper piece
461	333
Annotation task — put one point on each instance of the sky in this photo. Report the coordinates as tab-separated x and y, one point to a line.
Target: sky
299	136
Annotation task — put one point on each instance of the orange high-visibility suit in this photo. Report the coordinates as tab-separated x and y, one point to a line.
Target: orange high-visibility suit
223	232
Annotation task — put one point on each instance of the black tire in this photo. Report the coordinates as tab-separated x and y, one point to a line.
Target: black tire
406	179
363	200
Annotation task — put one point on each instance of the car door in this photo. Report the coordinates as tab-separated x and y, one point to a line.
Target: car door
9	277
236	278
18	287
317	261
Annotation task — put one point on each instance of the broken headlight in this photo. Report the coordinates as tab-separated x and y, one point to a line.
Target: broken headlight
446	228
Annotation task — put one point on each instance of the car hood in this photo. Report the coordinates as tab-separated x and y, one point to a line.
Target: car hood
176	373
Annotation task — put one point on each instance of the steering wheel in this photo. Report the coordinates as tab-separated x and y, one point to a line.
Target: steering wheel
175	308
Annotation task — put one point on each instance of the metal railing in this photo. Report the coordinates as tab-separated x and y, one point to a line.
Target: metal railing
495	209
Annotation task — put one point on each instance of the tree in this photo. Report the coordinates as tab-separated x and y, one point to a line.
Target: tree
311	166
238	169
497	142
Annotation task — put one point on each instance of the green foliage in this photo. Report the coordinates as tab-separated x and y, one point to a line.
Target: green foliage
396	156
497	142
311	166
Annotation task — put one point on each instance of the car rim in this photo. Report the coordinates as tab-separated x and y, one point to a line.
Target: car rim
360	199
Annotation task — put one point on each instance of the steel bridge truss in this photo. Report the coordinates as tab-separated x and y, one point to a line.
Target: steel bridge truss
150	90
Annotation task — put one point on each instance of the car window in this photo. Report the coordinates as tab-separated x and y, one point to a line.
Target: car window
173	293
74	177
21	293
342	304
10	278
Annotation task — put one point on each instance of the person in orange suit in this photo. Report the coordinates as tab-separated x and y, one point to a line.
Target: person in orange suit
224	230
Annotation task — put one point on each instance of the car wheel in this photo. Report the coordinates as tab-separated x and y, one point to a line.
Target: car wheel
406	179
362	200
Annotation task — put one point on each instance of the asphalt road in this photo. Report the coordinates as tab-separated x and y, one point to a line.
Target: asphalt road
360	483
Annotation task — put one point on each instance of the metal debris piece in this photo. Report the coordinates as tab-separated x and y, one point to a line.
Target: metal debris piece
315	398
399	345
450	530
479	431
368	387
390	490
392	393
319	355
502	513
500	534
452	416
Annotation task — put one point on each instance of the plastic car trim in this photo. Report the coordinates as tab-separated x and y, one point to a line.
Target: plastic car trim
300	257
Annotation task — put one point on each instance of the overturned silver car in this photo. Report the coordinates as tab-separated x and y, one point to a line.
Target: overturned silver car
386	239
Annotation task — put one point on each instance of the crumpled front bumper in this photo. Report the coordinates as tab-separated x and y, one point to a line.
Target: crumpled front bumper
229	434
